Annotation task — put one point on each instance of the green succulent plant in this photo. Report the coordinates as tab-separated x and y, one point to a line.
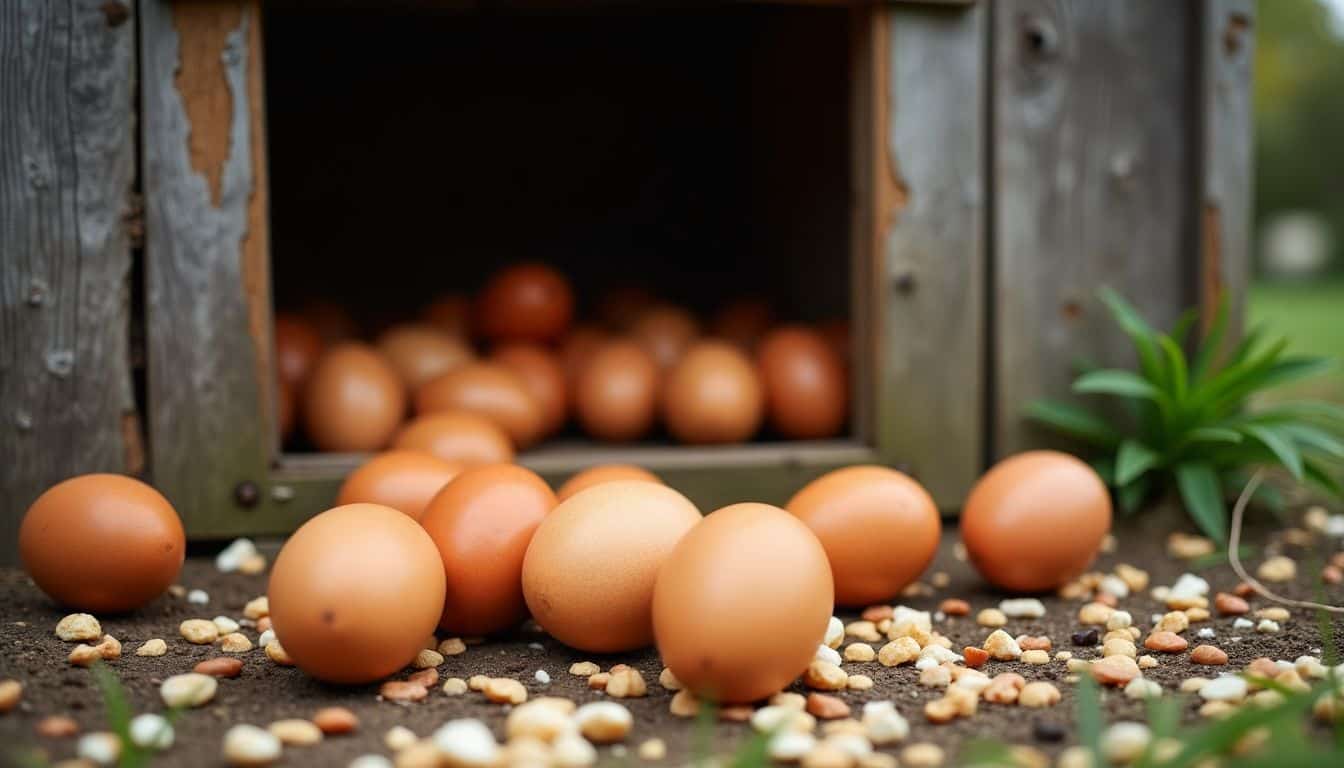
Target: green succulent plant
1188	422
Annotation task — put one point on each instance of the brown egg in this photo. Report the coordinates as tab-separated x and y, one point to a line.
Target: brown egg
403	480
665	331
604	473
420	352
354	400
621	307
743	322
589	573
742	603
481	523
297	348
577	349
450	314
488	389
354	593
284	409
102	543
527	302
1034	521
837	335
542	374
880	530
331	320
616	394
806	394
456	436
713	395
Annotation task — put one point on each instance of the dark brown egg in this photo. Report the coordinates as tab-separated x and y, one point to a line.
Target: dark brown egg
354	400
450	314
806	394
457	436
838	336
490	390
421	352
402	480
616	395
284	409
743	322
665	332
604	473
713	395
1035	520
527	302
102	543
542	374
621	307
297	348
332	321
577	349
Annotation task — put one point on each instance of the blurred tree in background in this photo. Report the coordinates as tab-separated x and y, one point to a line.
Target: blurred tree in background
1299	115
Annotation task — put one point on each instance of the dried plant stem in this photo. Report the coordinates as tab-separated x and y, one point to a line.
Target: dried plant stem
1233	544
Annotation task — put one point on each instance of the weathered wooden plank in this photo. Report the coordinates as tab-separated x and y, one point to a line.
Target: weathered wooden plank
67	161
1226	121
207	290
927	176
1091	140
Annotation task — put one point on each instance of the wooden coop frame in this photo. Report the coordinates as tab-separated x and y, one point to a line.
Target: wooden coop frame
1006	156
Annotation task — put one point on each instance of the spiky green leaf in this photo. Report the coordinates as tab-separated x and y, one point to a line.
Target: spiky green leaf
1177	370
1138	331
1074	421
1198	484
1133	459
1279	444
1210	345
1112	381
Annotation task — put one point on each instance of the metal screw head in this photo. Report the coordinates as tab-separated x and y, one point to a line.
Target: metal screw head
246	494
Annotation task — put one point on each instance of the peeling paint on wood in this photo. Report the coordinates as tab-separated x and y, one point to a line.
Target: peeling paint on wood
67	159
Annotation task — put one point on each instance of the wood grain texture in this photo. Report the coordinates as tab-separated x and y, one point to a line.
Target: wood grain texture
67	160
927	178
207	300
1227	48
1091	134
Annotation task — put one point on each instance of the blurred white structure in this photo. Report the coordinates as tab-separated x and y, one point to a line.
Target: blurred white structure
1295	244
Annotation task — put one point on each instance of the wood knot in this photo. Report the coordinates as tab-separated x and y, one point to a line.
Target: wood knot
1040	36
60	362
115	13
1237	25
246	494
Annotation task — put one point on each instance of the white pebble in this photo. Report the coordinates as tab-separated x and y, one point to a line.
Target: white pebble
249	745
570	750
151	732
790	746
1023	608
266	638
827	654
939	616
939	654
853	744
370	761
225	624
1188	585
543	677
467	743
1123	742
883	723
188	690
1142	688
1241	623
1119	620
901	614
198	597
835	633
1115	586
1334	526
102	748
1267	625
231	557
1205	633
536	646
1225	688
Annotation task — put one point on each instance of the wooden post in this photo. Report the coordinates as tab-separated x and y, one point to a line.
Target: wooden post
67	166
1092	183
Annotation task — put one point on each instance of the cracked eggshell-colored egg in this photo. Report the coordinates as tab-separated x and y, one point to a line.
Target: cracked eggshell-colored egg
403	480
456	436
354	400
354	593
589	573
490	390
526	302
879	527
713	395
1035	520
742	603
482	523
806	394
421	352
102	543
616	393
542	375
604	473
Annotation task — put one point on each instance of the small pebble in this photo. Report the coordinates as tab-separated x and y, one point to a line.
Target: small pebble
1038	694
1086	637
1022	608
102	748
827	654
189	690
542	676
79	626
1277	569
1048	731
1266	625
922	755
454	686
198	597
1226	688
154	647
336	720
603	722
296	732
991	617
1208	654
584	668
402	690
150	731
199	631
220	666
1124	742
652	750
248	745
835	633
56	727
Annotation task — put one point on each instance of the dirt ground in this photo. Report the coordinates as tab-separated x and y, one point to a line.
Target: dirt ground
266	692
